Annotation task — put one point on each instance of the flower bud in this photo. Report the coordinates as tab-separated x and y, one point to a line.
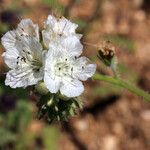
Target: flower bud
107	54
41	88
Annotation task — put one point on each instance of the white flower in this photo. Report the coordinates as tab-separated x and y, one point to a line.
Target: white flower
56	28
61	67
24	55
64	69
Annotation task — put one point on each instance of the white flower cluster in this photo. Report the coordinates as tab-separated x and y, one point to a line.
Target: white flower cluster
58	64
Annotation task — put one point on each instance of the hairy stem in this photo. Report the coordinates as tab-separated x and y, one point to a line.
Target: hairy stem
124	84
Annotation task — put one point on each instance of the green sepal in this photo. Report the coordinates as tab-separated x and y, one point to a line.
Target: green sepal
54	108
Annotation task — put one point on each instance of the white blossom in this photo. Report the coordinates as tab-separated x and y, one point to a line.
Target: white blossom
60	66
64	69
23	55
56	28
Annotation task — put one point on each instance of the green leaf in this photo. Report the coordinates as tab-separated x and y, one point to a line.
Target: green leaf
19	118
6	137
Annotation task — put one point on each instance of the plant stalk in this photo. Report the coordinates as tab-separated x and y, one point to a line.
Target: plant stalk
124	84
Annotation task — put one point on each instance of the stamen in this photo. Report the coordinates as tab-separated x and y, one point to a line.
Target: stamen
38	70
24	59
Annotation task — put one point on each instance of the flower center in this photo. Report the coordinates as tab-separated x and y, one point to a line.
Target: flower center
29	60
62	68
37	64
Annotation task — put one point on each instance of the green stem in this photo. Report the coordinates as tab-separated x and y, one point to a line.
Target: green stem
124	84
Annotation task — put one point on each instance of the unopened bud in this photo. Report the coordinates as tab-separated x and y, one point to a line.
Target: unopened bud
107	54
41	88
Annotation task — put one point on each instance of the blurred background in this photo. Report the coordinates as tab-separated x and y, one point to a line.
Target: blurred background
112	118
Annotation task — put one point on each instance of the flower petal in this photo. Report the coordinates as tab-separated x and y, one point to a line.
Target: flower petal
47	37
52	83
51	20
9	39
28	46
31	45
58	28
55	51
83	70
27	27
60	25
51	80
72	45
48	32
10	57
72	88
65	26
21	78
